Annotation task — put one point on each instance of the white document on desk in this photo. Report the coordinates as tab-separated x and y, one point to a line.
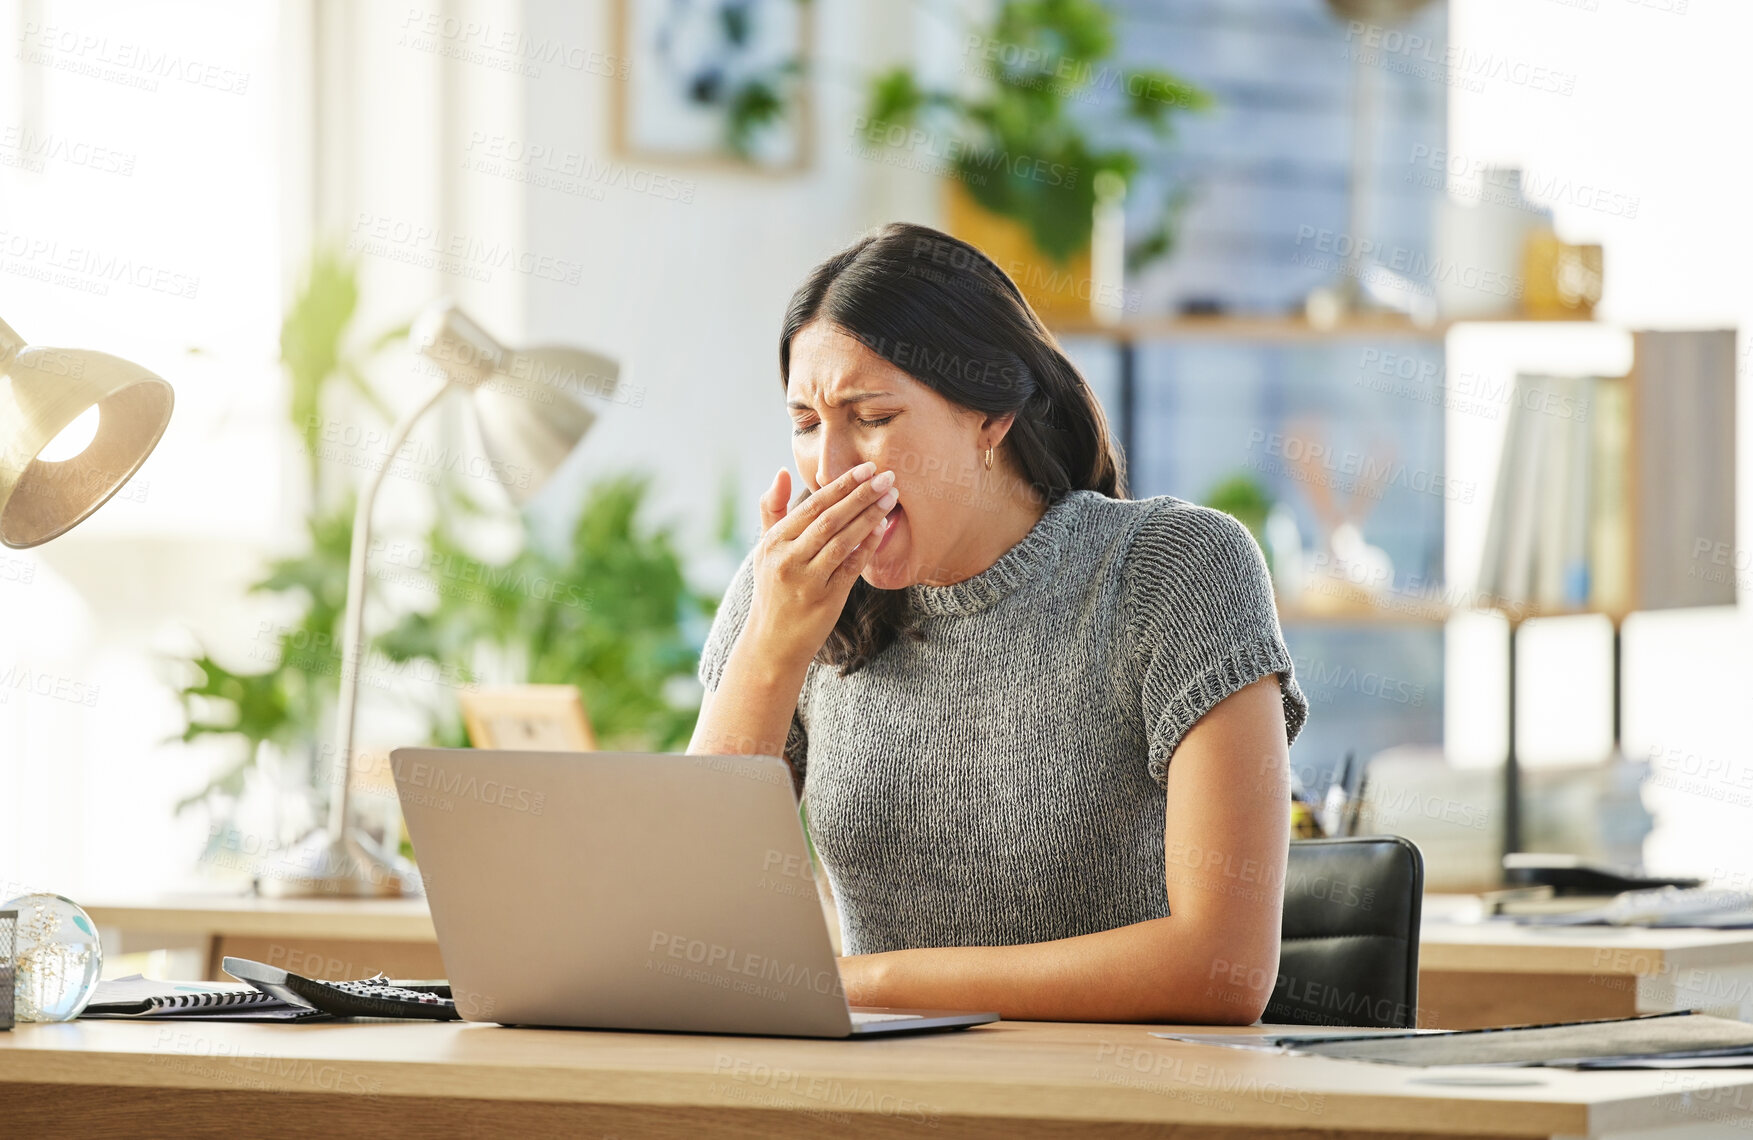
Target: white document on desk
1282	1042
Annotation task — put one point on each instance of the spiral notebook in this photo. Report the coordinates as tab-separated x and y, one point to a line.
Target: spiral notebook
141	997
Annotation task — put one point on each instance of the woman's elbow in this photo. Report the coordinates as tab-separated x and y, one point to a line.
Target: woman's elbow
1239	1006
1212	1006
1234	989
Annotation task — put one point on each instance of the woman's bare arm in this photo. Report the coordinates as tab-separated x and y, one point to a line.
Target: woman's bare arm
750	712
1214	961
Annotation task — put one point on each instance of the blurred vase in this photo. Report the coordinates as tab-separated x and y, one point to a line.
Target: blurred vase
1056	291
1477	270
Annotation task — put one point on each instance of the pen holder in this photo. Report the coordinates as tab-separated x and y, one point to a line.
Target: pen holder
1350	815
8	966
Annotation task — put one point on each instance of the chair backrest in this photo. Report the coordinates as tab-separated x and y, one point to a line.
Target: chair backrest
1349	953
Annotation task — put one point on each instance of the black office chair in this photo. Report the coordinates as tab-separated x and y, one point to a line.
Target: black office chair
1349	953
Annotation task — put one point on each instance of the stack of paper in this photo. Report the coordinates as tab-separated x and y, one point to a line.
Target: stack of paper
1682	1040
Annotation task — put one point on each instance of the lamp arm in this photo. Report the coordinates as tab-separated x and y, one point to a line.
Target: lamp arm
11	344
353	624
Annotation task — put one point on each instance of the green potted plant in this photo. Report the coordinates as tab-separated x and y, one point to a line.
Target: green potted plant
1027	156
609	610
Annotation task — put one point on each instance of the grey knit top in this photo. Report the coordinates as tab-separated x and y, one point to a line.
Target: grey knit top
1003	780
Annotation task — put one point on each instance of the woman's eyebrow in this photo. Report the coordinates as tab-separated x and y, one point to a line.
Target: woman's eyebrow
848	398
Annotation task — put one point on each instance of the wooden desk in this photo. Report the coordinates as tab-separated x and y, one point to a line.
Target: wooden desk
322	938
1470	974
1491	973
1009	1080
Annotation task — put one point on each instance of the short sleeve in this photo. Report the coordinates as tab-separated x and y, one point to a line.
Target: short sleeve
727	625
1200	623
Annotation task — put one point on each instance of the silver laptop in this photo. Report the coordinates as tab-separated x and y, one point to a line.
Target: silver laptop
623	890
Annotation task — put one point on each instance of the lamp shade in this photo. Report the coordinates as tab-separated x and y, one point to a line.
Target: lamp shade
42	391
529	402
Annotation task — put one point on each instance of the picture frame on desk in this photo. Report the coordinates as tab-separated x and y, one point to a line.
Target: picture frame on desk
540	718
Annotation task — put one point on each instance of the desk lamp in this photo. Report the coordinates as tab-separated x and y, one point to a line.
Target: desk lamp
74	427
522	434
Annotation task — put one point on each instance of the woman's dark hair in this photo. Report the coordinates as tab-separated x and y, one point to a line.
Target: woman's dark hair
944	313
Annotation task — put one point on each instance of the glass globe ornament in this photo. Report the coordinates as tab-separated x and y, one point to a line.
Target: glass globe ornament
59	958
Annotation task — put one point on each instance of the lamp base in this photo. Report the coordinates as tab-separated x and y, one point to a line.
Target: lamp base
349	867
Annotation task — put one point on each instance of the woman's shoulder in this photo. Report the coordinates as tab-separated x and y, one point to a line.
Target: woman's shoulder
1167	525
1175	550
1162	529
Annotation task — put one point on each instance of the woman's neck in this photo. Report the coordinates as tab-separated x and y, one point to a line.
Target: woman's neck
1004	519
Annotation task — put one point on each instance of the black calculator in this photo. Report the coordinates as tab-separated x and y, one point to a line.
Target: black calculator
368	997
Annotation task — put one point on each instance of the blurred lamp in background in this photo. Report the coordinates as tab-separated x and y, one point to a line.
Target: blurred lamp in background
74	427
521	436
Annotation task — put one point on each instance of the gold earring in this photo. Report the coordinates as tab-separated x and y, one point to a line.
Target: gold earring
989	459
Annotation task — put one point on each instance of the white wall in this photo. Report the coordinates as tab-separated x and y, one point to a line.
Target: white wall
139	172
1656	101
689	296
325	113
373	125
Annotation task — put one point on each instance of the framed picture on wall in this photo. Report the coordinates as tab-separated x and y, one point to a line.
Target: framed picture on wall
714	82
537	718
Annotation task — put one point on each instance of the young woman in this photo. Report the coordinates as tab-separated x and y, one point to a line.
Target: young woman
1041	729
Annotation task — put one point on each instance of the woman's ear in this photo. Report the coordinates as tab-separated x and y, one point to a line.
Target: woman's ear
993	429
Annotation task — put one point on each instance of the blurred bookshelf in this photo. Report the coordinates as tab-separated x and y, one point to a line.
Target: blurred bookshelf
1296	610
1617	511
1656	468
1189	394
1126	337
1287	327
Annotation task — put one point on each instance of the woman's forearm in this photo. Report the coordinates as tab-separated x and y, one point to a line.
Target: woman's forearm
802	571
749	714
1165	971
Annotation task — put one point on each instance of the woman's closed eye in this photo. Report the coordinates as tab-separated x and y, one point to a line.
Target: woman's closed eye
805	429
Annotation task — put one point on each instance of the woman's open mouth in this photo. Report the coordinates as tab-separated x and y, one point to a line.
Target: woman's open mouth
894	516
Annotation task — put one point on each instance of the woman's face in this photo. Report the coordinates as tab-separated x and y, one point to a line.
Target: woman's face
848	405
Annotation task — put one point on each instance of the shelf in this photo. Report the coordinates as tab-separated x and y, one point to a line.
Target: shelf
1282	329
1298	613
1412	611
